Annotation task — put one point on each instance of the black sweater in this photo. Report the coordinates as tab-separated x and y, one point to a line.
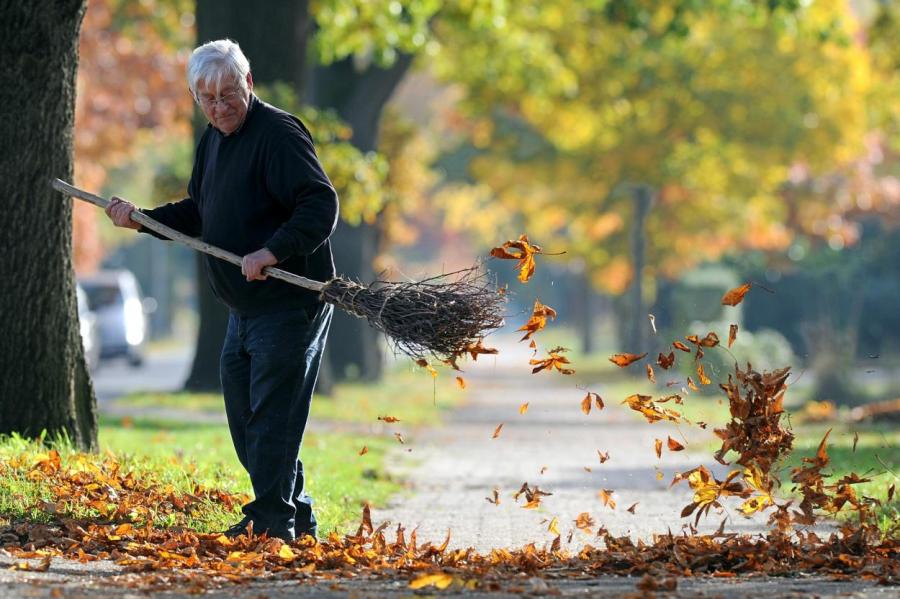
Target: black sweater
261	186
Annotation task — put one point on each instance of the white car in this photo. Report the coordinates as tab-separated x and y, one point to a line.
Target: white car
90	334
115	298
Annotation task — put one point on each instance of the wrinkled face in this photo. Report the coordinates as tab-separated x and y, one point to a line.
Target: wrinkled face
226	109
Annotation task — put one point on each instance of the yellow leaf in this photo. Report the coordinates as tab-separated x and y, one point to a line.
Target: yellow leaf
523	408
554	526
286	552
461	382
440	580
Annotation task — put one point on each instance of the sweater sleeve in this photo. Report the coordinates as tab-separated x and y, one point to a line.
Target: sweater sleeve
295	178
183	216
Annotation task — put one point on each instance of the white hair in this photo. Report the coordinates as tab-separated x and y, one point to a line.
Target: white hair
216	62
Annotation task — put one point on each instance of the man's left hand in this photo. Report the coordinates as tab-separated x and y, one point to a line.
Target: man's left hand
252	264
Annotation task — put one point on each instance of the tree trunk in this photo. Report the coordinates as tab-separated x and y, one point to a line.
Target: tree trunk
359	97
637	314
45	385
276	48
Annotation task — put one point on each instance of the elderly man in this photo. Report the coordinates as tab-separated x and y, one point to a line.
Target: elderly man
258	190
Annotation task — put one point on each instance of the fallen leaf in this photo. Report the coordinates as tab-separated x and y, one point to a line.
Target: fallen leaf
634	505
554	526
603	456
665	361
440	580
735	296
658	447
496	499
681	346
584	522
586	404
650	376
732	334
497	431
702	375
606	498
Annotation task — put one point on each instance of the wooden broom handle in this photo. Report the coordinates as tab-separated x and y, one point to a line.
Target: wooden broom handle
141	218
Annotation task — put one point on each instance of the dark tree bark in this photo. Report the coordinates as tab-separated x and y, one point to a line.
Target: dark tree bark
275	43
45	384
359	97
637	314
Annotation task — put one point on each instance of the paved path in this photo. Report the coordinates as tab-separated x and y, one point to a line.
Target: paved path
460	464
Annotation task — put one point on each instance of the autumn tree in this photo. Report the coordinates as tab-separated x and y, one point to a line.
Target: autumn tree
645	150
45	384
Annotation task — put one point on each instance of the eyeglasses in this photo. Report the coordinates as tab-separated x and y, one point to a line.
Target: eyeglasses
211	103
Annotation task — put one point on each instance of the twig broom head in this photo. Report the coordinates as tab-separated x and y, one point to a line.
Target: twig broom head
442	316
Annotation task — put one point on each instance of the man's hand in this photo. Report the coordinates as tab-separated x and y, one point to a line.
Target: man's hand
119	212
252	264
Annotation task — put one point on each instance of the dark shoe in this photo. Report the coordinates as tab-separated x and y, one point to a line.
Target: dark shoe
238	529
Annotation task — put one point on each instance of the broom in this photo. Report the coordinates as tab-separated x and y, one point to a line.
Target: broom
443	316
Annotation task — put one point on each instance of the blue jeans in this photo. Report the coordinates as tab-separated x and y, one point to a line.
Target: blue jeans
269	367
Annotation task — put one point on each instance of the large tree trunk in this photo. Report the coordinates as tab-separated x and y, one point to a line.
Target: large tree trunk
637	314
359	97
45	384
275	43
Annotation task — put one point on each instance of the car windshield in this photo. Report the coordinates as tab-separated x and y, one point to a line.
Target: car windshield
100	296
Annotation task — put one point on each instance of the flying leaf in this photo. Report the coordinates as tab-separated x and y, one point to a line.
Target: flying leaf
702	375
364	450
460	382
691	385
584	522
634	505
855	440
674	445
554	526
523	408
732	334
399	437
623	360
650	376
521	250
424	364
556	360
681	346
665	361
388	419
603	456
586	404
735	296
658	447
497	431
606	498
496	498
538	320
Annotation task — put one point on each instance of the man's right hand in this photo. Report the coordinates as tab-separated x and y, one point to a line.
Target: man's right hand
119	212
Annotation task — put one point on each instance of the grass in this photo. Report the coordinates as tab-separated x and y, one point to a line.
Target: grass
179	455
409	393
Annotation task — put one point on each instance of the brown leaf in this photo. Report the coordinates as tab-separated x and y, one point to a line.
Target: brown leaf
650	376
496	499
606	498
497	431
658	447
603	456
855	440
556	360
691	385
520	250
460	382
399	437
681	346
732	334
735	296
665	361
586	404
388	419
674	445
584	522
364	450
702	375
424	364
623	360
538	320
633	505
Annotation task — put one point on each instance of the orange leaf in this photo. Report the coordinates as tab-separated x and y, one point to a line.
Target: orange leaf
520	250
389	419
538	320
674	445
681	346
704	380
584	522
732	334
606	498
650	375
497	431
603	456
586	404
461	382
424	364
658	444
554	361
523	408
364	450
623	360
691	385
735	296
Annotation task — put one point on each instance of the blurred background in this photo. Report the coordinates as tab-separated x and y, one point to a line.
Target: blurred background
671	149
